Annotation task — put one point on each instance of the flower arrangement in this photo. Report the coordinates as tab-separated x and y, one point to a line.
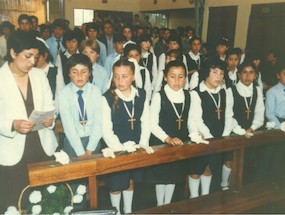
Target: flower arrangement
52	199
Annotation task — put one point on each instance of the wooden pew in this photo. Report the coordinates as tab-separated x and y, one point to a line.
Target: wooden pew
52	172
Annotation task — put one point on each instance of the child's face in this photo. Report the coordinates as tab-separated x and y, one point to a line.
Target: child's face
71	45
257	62
58	32
92	34
134	54
247	75
145	45
169	58
79	75
41	61
215	78
281	77
221	49
93	55
123	78
232	61
175	78
195	46
173	45
127	33
119	46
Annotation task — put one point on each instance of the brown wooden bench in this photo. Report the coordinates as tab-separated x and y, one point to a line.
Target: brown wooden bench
52	172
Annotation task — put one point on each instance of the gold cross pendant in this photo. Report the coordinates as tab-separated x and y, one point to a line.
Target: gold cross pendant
179	120
132	120
247	111
218	111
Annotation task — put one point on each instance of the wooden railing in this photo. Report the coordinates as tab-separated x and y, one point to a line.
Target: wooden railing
52	172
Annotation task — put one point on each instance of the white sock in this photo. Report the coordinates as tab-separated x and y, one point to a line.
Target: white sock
160	192
194	187
169	190
225	176
115	200
205	184
128	200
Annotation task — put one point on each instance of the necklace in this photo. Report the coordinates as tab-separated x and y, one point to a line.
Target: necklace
131	115
247	111
218	105
16	75
179	117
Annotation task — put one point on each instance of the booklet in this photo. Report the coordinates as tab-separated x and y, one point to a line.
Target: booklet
38	117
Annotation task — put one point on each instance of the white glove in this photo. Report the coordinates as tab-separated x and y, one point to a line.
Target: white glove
130	146
108	152
239	131
148	149
61	157
270	125
282	126
197	138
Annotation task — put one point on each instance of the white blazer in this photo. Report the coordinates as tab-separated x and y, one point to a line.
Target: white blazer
12	107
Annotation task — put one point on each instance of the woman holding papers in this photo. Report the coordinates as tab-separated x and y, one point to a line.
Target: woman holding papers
22	90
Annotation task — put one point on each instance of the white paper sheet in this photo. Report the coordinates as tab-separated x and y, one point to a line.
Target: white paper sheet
38	117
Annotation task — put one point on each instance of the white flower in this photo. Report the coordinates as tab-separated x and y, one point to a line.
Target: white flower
68	209
81	189
270	125
56	213
35	197
36	209
77	198
51	188
12	211
61	157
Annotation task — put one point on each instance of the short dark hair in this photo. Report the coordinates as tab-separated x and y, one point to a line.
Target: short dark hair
143	38
59	23
231	52
76	59
24	17
119	38
176	38
7	24
247	64
194	38
129	47
174	63
223	41
20	41
212	63
70	35
91	25
34	17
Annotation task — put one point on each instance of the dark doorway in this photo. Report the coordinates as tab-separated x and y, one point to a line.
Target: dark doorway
222	23
266	28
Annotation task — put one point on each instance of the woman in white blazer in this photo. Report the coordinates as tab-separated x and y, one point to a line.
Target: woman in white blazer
22	89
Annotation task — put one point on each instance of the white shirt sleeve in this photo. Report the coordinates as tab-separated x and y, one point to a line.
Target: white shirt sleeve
145	125
228	114
147	85
258	119
154	71
109	137
194	81
198	119
154	118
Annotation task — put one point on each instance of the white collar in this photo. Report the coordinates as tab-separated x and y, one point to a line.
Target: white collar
145	55
134	93
193	56
68	55
245	90
233	76
174	96
203	88
46	69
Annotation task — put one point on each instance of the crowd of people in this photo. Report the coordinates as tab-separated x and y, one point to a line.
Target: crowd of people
119	88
